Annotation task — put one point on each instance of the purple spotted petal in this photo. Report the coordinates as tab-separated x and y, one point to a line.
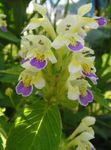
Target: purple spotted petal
22	90
91	76
101	21
4	29
38	64
77	47
85	100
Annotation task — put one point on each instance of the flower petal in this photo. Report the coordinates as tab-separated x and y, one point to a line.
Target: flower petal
73	93
27	91
91	76
36	7
58	42
84	100
38	64
4	29
75	48
84	9
89	120
19	87
40	83
26	64
24	91
51	57
73	68
101	21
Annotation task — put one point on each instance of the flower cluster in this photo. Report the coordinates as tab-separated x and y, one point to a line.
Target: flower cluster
3	25
58	63
81	137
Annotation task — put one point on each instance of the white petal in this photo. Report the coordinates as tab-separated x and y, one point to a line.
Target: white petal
74	68
48	28
82	33
40	83
30	8
67	25
51	57
33	24
84	9
58	42
86	136
35	39
28	66
89	120
73	93
36	7
92	25
40	9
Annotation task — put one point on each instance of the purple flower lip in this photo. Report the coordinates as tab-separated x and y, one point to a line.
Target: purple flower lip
91	76
85	100
101	21
38	64
4	29
75	48
22	90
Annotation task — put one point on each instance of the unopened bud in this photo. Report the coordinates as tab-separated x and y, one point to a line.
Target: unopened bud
9	92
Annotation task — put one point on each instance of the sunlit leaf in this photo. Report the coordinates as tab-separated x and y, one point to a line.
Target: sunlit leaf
39	128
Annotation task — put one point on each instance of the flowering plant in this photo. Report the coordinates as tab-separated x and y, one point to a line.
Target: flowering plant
58	60
58	69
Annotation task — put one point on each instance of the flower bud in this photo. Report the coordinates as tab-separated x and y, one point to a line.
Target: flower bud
9	92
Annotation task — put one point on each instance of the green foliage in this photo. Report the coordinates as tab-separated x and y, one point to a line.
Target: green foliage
39	127
98	96
9	36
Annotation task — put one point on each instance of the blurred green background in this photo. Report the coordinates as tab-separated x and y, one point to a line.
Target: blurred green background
99	40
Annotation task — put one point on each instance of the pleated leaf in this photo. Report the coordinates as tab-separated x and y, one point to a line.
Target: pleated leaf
39	128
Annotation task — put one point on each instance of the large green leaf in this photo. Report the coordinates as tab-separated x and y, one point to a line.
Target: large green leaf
39	128
9	36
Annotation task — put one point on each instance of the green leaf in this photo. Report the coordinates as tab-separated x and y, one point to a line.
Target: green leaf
68	103
66	8
2	138
39	128
98	96
13	71
9	36
10	75
1	146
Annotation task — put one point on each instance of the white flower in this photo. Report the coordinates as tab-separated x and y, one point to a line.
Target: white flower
27	79
83	134
37	52
73	42
43	22
36	7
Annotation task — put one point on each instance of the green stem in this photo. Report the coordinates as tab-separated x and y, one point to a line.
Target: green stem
12	102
